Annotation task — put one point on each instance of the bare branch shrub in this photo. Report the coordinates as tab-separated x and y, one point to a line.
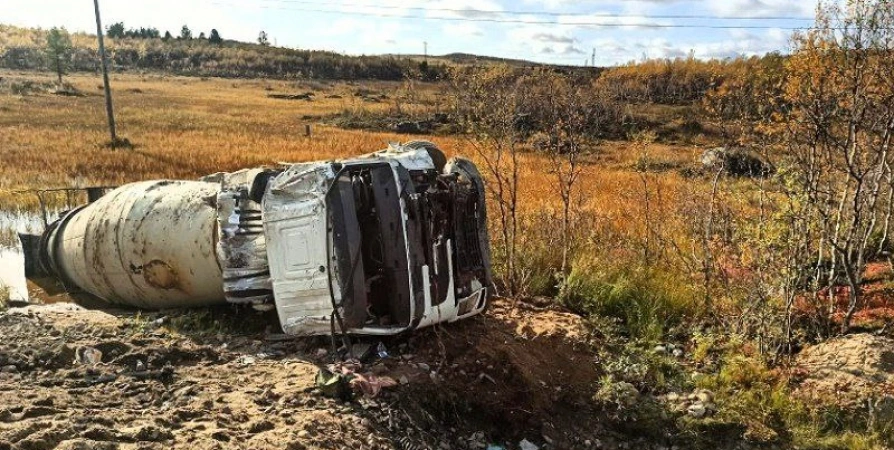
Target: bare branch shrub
838	138
489	108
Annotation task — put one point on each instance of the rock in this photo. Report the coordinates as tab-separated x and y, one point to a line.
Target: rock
140	366
9	369
696	410
88	355
408	127
704	396
527	445
660	349
303	434
738	162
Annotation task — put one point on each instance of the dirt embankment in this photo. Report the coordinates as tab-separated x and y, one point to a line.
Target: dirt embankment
76	378
850	372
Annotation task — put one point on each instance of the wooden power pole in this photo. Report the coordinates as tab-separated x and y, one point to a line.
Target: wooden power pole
105	76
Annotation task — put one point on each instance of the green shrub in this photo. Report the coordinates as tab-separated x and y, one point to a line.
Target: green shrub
761	399
647	301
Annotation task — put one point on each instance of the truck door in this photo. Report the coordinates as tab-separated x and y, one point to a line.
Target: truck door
295	226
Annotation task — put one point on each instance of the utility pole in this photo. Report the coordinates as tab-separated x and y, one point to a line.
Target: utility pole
593	58
425	50
105	76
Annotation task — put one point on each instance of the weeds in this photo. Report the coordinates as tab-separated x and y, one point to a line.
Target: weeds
648	302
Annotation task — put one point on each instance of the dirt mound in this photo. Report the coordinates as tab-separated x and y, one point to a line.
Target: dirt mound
77	378
852	371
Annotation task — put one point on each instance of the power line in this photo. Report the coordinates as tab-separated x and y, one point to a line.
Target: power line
542	13
528	22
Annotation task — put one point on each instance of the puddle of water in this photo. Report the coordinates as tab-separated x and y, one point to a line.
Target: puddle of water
12	273
12	260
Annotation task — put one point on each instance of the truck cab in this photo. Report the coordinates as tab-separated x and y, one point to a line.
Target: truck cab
378	244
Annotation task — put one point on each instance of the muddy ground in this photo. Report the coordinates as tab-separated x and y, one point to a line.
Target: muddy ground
226	379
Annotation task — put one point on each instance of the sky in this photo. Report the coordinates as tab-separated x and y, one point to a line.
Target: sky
573	32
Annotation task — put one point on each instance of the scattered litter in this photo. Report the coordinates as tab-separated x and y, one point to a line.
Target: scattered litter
333	385
381	350
247	360
321	353
527	445
140	366
370	385
88	355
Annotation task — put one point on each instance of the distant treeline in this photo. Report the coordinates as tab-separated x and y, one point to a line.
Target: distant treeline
143	49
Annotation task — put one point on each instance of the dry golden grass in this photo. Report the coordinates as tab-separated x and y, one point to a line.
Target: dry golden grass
188	127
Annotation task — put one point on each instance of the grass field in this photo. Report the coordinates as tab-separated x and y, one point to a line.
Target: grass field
188	127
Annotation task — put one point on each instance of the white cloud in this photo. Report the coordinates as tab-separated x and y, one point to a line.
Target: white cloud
462	29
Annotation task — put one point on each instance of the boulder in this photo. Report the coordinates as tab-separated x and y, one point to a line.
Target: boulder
736	161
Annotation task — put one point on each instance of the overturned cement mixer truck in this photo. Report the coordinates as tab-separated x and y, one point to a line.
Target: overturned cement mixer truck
375	245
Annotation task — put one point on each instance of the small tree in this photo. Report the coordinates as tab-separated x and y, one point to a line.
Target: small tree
185	33
839	132
214	38
168	36
58	50
202	35
262	38
115	30
561	108
489	106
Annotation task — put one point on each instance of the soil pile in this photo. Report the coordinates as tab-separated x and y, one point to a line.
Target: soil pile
851	372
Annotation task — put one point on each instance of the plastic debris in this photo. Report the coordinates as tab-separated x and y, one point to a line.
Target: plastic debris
370	385
333	385
381	350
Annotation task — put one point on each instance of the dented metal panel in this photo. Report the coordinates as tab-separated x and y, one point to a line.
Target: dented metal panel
295	226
